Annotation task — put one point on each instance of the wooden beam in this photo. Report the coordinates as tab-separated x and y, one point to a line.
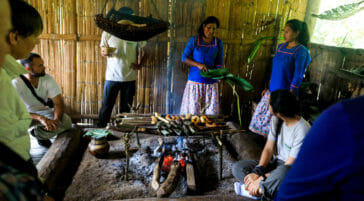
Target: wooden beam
72	37
58	37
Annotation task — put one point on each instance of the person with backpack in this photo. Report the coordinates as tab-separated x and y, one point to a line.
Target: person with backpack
43	99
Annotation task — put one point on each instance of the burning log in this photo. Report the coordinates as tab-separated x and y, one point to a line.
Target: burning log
156	175
190	173
175	157
169	185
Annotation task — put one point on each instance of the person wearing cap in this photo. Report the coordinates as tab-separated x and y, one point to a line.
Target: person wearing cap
121	69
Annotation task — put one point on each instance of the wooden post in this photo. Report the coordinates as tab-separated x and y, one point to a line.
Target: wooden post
170	55
126	139
220	154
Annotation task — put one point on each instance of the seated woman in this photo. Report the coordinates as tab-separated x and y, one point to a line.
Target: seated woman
286	134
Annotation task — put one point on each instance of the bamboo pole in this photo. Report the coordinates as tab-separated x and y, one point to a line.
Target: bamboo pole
220	154
171	46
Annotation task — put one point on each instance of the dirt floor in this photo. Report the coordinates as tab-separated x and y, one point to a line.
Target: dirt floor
104	178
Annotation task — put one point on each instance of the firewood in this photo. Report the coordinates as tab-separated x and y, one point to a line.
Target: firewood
190	173
169	185
156	175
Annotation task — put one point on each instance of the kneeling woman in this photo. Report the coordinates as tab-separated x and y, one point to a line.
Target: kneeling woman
285	138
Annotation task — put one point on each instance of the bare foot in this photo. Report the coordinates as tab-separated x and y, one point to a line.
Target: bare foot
254	188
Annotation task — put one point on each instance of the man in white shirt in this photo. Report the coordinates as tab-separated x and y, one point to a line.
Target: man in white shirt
121	71
47	120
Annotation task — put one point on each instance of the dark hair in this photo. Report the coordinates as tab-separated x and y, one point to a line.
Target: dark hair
25	18
28	61
304	35
286	103
208	20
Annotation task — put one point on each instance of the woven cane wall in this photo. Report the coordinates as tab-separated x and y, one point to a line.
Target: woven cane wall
70	47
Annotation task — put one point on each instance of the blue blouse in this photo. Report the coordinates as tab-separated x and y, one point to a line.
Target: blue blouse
289	67
210	54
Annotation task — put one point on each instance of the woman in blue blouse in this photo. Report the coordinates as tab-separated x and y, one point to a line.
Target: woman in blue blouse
289	66
202	52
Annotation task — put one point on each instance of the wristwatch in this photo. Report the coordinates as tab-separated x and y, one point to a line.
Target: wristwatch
260	170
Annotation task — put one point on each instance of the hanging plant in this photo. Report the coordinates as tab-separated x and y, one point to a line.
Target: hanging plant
257	45
341	12
233	81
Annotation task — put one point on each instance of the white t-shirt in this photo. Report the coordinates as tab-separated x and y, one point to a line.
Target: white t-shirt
47	88
118	65
290	138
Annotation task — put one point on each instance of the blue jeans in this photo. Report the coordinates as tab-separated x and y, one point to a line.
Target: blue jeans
111	91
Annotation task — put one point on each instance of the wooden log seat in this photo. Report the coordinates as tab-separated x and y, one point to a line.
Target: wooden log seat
52	166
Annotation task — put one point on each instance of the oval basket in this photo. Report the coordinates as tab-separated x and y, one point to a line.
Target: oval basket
129	32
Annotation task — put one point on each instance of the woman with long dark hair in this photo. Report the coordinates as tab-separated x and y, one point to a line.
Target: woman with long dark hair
202	52
286	134
289	66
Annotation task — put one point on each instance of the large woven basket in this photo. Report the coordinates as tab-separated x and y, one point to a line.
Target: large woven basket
130	32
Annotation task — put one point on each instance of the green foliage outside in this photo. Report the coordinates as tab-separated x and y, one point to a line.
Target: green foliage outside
347	32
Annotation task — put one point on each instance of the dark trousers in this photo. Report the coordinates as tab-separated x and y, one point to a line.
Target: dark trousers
111	91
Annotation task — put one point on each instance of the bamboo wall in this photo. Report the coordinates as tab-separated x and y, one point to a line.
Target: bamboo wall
70	40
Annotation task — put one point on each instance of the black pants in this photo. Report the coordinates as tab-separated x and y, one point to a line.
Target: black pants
111	91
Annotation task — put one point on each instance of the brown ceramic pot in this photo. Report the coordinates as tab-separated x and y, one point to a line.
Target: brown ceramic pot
98	147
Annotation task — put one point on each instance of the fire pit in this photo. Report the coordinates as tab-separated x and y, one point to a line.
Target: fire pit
104	178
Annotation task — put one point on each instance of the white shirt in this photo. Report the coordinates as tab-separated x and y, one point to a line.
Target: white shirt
47	88
290	138
118	65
